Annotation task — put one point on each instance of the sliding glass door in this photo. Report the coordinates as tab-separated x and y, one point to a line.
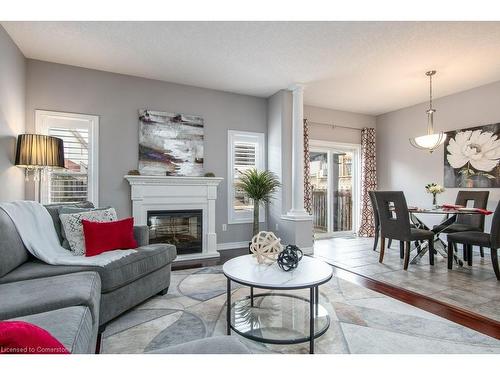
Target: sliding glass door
319	161
334	170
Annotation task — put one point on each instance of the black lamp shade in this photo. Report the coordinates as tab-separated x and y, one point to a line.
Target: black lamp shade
37	151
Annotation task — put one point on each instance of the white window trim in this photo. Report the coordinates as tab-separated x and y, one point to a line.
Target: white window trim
42	127
259	138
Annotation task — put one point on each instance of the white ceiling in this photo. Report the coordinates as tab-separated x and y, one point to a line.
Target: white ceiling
364	67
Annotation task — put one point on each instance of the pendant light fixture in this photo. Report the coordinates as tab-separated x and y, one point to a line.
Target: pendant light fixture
432	140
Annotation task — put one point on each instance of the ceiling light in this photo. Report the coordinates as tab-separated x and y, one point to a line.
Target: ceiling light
431	140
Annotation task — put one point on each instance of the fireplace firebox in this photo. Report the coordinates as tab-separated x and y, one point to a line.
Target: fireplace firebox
182	228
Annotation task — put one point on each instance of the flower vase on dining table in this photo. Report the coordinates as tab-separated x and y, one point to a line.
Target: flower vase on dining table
434	189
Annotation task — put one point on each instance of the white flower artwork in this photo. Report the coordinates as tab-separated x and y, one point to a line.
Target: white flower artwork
472	157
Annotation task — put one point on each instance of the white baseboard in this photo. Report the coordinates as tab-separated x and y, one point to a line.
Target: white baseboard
196	256
232	245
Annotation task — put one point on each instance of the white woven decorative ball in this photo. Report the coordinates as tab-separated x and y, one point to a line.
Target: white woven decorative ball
265	247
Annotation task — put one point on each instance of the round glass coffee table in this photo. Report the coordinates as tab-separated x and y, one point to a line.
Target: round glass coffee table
277	318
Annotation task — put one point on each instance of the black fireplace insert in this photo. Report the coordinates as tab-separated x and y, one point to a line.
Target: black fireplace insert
182	228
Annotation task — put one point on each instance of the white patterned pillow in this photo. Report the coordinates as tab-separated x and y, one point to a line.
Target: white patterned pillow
73	227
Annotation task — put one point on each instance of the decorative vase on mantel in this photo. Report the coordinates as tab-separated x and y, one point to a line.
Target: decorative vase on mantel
434	200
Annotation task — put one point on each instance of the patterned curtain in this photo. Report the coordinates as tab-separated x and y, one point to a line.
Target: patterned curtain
307	174
368	181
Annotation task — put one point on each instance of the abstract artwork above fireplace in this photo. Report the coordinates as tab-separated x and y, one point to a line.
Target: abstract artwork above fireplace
170	144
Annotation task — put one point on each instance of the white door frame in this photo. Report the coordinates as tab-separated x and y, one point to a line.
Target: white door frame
327	146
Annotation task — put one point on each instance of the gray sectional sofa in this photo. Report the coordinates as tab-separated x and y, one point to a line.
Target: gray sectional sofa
74	303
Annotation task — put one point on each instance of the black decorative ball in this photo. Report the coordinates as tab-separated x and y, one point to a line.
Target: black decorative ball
289	258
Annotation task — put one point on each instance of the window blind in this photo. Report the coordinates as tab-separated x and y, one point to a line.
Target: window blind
245	154
70	184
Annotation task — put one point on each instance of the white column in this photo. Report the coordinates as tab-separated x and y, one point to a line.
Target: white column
297	209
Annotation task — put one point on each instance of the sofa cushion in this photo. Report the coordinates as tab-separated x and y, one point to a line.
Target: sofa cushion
12	250
71	326
19	337
53	210
141	234
123	299
50	293
113	276
147	259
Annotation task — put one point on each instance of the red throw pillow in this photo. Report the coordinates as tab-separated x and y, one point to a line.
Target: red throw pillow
107	236
25	338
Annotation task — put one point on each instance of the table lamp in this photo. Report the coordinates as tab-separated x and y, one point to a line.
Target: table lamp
36	152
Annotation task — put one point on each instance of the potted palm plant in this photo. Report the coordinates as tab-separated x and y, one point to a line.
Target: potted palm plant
260	187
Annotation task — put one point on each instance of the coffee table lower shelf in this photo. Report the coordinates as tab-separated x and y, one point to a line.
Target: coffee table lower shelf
278	318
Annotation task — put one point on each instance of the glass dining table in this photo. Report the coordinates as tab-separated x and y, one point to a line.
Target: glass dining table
439	246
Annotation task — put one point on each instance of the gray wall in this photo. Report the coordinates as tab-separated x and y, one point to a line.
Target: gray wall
116	99
402	167
12	112
329	116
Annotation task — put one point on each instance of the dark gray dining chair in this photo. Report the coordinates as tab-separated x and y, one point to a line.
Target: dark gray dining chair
467	223
376	224
469	239
395	224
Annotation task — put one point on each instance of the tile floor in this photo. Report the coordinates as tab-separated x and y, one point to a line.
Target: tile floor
473	288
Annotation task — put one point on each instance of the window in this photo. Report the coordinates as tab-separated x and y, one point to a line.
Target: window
79	180
245	151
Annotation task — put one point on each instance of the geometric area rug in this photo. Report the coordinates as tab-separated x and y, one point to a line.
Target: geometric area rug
362	321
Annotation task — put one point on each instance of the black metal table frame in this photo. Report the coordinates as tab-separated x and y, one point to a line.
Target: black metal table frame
313	311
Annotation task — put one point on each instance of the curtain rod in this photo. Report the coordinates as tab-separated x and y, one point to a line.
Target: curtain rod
332	125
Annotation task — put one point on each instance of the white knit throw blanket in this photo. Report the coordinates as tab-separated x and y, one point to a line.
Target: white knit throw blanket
36	229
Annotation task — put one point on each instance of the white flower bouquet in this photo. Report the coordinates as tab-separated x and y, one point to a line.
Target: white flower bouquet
434	189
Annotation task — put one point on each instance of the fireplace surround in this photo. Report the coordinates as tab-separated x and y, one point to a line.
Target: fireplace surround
174	193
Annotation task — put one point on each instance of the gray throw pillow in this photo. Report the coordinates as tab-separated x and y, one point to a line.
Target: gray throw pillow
73	210
53	210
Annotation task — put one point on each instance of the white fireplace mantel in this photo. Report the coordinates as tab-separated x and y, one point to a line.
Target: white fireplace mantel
154	193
